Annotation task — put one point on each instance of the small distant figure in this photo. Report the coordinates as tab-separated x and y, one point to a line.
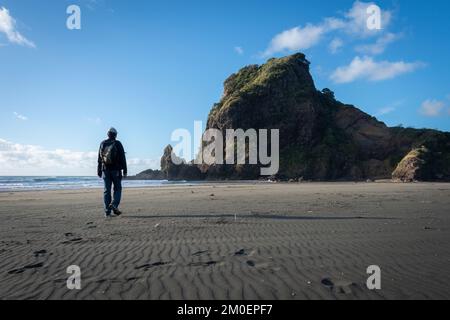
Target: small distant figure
111	163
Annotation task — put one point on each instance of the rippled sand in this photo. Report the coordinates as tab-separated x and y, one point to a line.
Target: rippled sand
229	241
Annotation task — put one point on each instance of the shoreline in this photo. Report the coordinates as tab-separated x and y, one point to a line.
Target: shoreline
169	184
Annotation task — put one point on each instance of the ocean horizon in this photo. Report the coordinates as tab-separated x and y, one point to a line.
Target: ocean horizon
24	183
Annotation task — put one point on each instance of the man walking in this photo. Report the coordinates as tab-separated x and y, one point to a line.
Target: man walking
111	163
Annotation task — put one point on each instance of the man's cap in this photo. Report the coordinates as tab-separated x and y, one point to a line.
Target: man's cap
113	131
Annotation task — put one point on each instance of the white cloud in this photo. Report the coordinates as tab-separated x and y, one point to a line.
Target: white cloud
335	45
20	159
380	45
353	23
367	68
20	116
385	111
356	20
138	165
8	27
390	108
239	50
92	4
295	39
96	121
448	98
432	108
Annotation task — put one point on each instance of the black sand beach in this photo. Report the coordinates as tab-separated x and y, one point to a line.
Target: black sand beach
230	241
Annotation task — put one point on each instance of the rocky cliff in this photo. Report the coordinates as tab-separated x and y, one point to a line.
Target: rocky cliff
320	137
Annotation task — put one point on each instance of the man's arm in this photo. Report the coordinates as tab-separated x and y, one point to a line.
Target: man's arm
123	159
100	162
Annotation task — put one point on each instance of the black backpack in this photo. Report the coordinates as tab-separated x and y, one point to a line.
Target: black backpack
109	154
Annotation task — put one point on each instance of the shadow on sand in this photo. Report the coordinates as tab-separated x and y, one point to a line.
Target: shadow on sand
256	216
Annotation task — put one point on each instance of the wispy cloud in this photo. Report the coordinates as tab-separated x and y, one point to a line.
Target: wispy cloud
380	45
95	5
295	39
335	45
19	116
96	121
432	108
8	27
352	23
301	38
139	165
21	159
390	108
239	50
367	68
92	4
384	111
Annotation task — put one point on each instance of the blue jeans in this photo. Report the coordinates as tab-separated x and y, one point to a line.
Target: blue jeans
111	177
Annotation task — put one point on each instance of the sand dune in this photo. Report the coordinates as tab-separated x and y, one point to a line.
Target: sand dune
229	241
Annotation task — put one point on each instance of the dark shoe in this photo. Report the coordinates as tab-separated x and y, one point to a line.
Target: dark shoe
116	211
108	215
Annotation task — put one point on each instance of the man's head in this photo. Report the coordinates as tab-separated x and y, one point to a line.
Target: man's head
112	133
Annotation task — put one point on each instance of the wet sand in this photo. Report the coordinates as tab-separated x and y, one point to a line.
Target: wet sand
229	241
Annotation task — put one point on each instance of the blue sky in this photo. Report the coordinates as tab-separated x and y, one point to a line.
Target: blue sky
150	67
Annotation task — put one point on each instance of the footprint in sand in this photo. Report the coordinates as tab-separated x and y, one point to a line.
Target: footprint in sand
240	253
251	263
34	266
339	286
17	271
40	253
263	265
28	267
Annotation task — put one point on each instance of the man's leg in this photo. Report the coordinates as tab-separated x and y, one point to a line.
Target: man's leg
107	191
117	180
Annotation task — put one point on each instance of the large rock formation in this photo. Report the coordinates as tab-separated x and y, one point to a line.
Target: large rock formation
320	137
430	162
409	169
148	175
174	171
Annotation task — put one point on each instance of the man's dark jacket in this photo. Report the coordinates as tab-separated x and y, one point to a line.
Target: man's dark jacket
120	163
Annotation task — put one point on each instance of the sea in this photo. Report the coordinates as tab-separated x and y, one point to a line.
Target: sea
8	183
